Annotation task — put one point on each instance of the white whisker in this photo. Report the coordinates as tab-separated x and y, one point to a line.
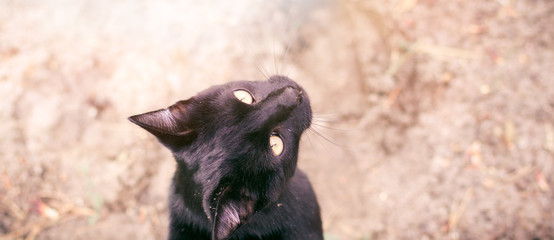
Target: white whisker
327	127
324	137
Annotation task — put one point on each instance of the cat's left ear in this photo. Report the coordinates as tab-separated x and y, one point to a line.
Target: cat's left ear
172	125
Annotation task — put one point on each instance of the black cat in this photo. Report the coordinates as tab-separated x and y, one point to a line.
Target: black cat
236	147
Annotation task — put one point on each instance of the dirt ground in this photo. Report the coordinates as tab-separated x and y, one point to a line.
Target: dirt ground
434	118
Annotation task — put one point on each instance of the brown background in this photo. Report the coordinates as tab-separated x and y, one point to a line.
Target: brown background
434	118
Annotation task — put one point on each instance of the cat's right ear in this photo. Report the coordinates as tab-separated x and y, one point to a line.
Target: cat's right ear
172	125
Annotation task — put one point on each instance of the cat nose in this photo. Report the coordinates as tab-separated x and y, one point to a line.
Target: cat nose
294	93
283	81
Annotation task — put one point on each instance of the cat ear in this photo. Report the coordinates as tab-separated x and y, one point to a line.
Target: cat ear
169	125
231	212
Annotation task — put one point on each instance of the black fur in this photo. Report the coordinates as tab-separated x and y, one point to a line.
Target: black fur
228	184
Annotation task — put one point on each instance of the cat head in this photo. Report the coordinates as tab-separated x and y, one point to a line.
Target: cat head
239	141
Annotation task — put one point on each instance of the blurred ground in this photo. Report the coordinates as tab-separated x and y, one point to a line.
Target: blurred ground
435	118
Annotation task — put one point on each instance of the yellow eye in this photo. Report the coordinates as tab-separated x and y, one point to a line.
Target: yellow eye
243	96
276	144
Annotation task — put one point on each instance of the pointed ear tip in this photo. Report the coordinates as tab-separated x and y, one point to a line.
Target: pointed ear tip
133	119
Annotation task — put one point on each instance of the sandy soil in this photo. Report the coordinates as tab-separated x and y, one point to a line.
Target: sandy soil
434	118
